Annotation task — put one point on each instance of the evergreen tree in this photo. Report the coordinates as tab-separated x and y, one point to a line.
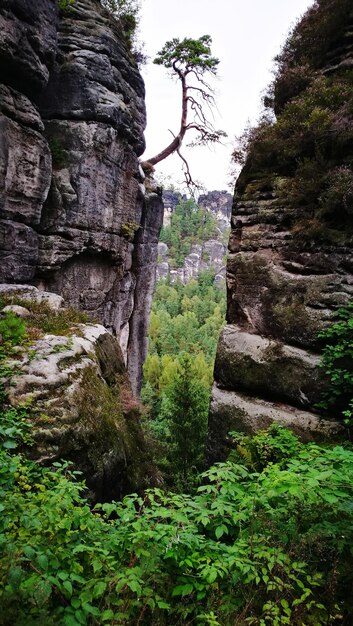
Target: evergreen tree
185	407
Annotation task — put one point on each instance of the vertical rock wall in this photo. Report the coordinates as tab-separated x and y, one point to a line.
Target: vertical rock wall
290	263
74	217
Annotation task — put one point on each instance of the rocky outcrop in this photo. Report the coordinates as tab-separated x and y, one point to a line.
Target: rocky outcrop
219	203
209	255
290	260
74	384
74	216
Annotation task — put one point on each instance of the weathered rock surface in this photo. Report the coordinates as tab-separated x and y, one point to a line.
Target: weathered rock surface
284	281
268	368
80	403
238	412
72	201
220	204
28	292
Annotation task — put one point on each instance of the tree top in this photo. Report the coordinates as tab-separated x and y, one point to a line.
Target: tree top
188	55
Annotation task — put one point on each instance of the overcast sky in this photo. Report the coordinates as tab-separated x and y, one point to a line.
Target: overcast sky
246	35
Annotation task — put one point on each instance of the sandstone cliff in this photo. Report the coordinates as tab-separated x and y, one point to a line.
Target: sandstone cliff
74	216
290	250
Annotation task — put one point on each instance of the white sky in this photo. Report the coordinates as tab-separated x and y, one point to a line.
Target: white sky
246	35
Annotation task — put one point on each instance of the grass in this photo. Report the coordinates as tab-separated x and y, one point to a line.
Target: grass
44	320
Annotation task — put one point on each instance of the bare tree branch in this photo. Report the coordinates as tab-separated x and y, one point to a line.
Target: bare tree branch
190	57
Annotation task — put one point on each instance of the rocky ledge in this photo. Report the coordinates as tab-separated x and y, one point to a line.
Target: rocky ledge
74	385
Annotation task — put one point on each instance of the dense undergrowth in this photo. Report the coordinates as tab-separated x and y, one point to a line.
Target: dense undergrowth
267	539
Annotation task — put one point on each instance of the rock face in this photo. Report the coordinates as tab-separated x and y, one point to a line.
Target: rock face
74	382
74	217
206	256
220	204
290	260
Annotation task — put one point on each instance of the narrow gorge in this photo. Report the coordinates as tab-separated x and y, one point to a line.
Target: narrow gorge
176	373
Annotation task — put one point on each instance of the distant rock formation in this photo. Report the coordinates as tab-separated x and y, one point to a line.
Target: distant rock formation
207	256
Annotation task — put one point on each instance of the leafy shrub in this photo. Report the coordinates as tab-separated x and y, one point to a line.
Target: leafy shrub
12	330
310	147
268	446
317	33
337	199
14	427
337	360
270	547
128	230
127	12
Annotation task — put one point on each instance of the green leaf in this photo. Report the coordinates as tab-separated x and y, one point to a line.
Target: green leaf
135	586
107	615
10	444
42	560
183	590
68	587
162	604
99	588
221	530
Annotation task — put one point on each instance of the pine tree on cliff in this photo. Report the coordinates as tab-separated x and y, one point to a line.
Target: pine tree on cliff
190	60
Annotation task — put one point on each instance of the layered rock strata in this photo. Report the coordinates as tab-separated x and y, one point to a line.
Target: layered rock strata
290	262
74	216
279	298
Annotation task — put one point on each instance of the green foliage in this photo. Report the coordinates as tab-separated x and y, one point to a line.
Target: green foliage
127	12
178	372
65	4
188	54
184	409
337	360
43	319
190	224
309	142
318	32
268	446
14	427
260	548
12	331
58	153
187	318
128	230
